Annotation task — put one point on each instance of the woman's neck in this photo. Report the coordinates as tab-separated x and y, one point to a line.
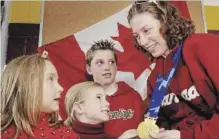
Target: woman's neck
111	89
166	53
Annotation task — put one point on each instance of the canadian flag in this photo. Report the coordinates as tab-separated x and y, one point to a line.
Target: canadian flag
68	54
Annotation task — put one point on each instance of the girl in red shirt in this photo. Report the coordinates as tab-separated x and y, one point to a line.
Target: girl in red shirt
87	110
30	95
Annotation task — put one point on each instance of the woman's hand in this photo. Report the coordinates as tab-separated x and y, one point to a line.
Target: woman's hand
128	134
166	134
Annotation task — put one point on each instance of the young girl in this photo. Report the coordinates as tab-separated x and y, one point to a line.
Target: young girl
126	106
30	95
87	110
184	86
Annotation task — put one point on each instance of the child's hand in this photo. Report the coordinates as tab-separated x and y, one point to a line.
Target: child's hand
128	134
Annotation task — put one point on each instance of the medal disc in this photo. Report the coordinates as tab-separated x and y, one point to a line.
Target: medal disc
146	127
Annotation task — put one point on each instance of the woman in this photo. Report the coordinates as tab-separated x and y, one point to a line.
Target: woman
184	74
30	95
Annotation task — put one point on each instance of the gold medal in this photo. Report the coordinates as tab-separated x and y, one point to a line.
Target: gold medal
146	127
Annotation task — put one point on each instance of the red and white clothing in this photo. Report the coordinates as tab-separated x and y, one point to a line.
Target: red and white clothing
191	103
43	131
90	131
126	110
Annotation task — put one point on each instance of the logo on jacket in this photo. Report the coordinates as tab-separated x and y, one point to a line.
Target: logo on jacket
121	114
187	94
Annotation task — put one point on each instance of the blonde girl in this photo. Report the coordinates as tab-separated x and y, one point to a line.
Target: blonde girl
30	95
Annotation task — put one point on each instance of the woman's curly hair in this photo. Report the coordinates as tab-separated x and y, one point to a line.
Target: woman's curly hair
174	27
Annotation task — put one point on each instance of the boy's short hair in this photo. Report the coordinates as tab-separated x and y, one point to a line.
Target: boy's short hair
100	45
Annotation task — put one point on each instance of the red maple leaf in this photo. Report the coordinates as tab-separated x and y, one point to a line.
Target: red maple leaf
131	59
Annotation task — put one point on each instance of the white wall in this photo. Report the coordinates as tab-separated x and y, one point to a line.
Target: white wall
4	35
41	23
211	2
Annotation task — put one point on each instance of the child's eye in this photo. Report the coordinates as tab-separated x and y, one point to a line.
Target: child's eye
99	62
112	62
51	78
98	97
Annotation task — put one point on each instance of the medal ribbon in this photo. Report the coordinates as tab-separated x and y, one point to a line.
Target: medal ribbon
161	86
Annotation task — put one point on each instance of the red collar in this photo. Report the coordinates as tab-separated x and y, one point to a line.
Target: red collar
84	128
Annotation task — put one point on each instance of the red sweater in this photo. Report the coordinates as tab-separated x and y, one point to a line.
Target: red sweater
126	110
42	131
191	104
89	131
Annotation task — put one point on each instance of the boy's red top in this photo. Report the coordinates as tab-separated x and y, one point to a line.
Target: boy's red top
126	110
191	103
44	130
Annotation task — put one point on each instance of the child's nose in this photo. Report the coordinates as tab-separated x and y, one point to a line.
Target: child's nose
60	88
107	103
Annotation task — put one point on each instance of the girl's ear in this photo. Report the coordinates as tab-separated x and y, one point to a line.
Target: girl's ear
88	69
77	107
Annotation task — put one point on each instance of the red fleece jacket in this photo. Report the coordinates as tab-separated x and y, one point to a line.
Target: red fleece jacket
191	104
126	110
